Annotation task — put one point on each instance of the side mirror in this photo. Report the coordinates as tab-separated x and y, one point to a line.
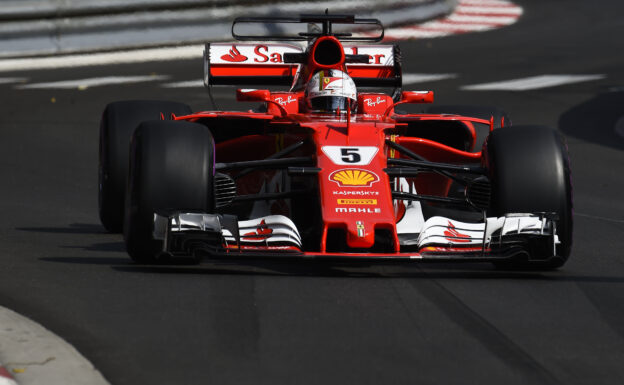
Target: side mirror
417	96
251	95
411	97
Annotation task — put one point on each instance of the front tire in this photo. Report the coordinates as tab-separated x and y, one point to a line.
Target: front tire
529	169
171	169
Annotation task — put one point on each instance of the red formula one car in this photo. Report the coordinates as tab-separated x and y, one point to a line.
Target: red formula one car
324	169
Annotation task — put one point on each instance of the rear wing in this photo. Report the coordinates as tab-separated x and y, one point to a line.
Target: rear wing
261	64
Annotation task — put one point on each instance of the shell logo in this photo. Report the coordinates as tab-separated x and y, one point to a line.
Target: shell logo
353	177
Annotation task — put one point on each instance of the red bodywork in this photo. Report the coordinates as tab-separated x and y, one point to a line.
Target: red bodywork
355	198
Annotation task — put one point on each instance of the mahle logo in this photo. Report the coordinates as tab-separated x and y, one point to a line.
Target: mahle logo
353	177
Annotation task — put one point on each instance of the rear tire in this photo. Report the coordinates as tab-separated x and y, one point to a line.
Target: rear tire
529	169
171	168
116	127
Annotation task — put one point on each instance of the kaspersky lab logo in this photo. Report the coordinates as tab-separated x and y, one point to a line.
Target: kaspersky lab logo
353	177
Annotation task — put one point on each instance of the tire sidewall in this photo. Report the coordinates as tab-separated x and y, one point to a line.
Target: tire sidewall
171	169
529	169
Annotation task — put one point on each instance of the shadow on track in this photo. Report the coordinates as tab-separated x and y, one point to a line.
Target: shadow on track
322	269
81	229
74	228
304	268
104	246
594	120
85	260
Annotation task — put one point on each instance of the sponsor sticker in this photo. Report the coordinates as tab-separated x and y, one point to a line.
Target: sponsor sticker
357	210
353	177
234	56
373	102
363	193
359	225
453	235
285	101
268	54
250	53
263	231
357	201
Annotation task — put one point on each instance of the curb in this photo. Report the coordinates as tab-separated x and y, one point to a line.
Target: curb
110	26
37	356
5	377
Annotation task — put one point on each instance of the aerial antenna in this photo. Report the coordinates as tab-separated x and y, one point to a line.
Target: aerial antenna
327	24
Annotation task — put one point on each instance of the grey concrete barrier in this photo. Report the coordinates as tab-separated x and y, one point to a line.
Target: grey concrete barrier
53	27
12	10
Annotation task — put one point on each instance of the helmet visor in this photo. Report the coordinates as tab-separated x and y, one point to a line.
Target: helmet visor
331	103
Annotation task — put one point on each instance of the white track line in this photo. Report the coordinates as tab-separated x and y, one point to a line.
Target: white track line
108	58
476	10
83	84
422	78
12	80
532	83
455	27
488	3
493	20
185	84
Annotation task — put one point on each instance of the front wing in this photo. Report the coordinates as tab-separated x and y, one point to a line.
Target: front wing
276	236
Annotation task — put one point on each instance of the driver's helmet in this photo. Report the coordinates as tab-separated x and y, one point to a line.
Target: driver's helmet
330	90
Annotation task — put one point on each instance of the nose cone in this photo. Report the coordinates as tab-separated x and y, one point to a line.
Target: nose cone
359	235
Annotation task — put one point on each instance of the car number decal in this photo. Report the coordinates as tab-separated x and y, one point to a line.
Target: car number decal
350	156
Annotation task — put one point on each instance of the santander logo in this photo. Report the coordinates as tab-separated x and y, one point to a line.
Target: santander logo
455	236
262	232
234	56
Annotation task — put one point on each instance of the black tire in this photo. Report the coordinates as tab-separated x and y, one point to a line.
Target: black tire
501	118
116	127
529	169
171	168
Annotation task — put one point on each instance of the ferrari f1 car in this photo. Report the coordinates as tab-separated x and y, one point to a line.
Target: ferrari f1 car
324	169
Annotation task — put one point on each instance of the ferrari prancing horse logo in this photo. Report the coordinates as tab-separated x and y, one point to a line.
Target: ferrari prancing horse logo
353	177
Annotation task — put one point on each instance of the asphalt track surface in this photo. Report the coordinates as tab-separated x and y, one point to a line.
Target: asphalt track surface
276	323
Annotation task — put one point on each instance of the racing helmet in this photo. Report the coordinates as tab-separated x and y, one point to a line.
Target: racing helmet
331	90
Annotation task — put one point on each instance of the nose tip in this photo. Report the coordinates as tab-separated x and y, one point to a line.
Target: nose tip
359	235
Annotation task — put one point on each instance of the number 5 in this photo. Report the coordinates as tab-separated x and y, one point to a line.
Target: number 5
350	155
